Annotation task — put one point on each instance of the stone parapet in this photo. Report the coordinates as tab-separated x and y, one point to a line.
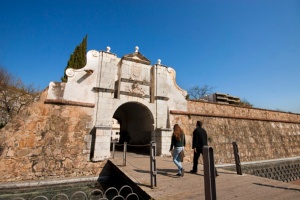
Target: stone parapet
260	134
232	111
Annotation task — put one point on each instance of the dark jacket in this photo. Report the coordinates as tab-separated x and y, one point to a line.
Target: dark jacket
199	139
177	143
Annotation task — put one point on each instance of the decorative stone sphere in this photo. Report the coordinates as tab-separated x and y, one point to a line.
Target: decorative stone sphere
107	49
159	61
136	49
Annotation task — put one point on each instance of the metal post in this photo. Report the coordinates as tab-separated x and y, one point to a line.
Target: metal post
153	171
237	158
124	153
209	173
114	147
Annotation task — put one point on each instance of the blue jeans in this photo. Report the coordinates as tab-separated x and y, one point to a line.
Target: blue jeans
176	158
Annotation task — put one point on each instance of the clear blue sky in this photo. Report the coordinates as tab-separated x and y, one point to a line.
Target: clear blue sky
248	49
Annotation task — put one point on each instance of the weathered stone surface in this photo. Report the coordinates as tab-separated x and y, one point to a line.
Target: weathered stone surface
55	145
46	141
260	134
58	135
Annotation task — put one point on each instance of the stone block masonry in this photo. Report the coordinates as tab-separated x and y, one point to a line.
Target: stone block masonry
47	141
260	134
68	132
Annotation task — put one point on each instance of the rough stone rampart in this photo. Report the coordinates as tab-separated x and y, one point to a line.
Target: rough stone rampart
47	141
260	134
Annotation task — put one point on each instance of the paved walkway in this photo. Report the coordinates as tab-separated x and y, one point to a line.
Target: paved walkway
229	185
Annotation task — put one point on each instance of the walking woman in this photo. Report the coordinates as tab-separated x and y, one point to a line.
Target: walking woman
178	142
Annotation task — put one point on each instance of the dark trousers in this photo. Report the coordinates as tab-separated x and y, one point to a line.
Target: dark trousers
195	162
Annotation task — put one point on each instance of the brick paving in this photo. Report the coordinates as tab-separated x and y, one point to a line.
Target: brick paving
229	185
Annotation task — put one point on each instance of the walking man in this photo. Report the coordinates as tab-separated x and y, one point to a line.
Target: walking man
199	141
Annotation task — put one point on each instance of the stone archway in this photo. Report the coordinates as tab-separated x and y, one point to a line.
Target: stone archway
136	124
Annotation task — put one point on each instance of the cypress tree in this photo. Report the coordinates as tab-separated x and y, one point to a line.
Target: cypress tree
77	58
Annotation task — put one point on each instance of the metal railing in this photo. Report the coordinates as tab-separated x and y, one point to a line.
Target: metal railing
153	170
125	193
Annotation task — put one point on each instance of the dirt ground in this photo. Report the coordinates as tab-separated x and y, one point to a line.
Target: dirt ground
296	182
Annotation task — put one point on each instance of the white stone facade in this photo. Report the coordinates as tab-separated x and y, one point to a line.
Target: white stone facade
128	89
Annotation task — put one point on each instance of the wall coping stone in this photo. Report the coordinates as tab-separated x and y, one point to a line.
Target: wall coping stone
176	112
71	103
261	161
238	106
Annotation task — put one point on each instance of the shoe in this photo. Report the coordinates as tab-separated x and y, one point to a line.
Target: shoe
193	172
182	172
178	174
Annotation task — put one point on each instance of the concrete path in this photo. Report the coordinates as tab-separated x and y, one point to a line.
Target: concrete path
229	185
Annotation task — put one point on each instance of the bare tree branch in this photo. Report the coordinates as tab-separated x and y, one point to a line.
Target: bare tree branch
14	95
198	92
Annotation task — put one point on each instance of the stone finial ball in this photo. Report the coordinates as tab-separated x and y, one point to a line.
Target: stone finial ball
136	49
107	49
159	61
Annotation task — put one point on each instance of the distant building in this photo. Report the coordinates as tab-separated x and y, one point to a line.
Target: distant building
223	98
115	130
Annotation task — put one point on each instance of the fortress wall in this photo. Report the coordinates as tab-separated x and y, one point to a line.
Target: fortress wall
260	134
47	141
208	108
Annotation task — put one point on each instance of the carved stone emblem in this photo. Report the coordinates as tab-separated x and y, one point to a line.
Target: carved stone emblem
135	89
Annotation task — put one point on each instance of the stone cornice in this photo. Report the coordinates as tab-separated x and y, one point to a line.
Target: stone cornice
70	103
134	94
135	81
137	57
176	112
238	106
98	89
162	98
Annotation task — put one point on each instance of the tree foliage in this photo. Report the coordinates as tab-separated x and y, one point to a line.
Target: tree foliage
77	58
197	92
14	95
245	103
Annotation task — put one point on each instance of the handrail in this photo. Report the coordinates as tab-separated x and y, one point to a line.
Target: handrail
153	170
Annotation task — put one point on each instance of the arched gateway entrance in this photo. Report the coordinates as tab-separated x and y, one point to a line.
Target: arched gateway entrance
136	125
130	90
